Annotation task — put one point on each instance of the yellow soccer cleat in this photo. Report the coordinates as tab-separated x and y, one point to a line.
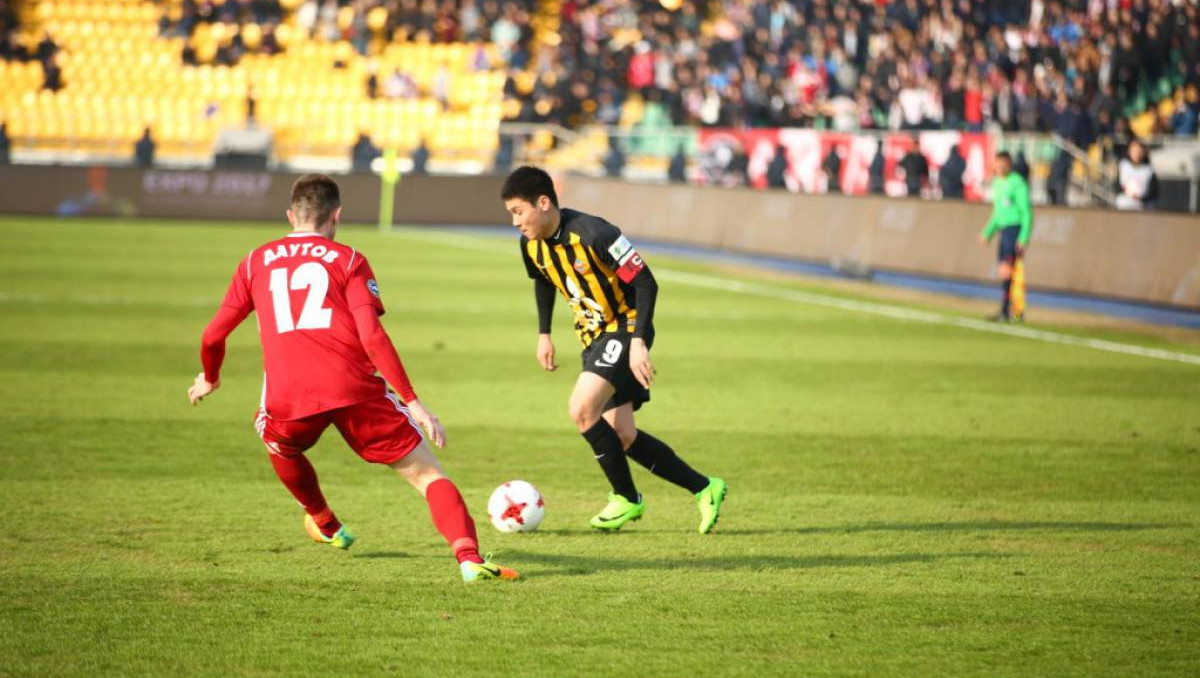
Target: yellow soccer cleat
342	539
473	572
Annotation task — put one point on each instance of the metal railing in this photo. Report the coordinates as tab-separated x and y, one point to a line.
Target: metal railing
1098	177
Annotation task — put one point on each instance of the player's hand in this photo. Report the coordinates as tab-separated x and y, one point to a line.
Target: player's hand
1020	250
982	241
427	421
545	353
201	388
639	362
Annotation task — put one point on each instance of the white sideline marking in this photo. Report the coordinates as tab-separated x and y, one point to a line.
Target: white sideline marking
902	313
872	308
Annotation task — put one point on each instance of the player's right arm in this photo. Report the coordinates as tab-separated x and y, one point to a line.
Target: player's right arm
543	295
362	298
383	355
234	309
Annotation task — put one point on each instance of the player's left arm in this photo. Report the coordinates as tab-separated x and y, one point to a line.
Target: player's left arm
632	271
639	353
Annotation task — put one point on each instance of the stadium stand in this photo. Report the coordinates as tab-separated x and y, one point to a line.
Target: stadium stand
1067	82
188	69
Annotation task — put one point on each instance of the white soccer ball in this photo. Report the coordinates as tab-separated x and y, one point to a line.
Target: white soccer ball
516	506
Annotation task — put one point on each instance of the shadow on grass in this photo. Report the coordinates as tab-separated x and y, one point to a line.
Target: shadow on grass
966	526
568	565
384	554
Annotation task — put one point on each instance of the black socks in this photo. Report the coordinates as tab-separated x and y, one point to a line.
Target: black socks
661	460
607	446
654	454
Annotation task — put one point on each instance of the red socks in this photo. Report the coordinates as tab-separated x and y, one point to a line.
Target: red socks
452	519
446	505
298	475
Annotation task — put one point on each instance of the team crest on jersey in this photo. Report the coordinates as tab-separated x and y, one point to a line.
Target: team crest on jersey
373	287
581	266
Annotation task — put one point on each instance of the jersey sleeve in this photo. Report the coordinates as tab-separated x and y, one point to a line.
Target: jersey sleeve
530	267
362	288
1026	208
614	250
236	305
238	295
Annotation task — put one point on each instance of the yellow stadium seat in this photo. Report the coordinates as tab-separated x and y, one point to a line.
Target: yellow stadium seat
120	75
252	35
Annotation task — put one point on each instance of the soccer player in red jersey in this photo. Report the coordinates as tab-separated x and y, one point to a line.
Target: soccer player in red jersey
323	351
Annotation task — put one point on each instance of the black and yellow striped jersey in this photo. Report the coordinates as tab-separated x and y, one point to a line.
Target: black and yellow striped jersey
592	265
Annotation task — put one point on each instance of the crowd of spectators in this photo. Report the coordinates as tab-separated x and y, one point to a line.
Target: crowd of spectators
873	64
249	26
1074	68
361	23
1071	67
45	51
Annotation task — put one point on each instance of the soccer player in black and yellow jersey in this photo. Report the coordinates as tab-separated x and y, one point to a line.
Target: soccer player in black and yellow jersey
611	292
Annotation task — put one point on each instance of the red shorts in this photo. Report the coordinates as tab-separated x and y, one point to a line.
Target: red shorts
378	430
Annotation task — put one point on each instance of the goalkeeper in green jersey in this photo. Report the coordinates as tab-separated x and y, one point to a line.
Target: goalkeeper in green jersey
1012	216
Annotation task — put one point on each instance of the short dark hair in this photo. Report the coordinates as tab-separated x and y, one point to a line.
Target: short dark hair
314	198
529	183
1004	155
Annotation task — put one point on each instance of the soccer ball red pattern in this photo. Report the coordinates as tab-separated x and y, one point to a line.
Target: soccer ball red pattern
516	506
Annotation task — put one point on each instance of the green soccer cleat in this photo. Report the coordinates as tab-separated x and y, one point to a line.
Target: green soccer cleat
473	572
342	539
709	501
618	512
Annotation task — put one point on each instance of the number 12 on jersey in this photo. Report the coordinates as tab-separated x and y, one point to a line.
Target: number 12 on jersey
313	315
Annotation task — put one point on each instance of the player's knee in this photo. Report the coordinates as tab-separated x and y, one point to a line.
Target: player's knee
419	468
627	438
422	483
283	451
421	477
583	415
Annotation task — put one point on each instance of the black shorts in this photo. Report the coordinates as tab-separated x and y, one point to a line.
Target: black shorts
608	356
1008	244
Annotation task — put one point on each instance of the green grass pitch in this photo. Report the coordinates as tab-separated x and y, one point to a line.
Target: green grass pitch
906	499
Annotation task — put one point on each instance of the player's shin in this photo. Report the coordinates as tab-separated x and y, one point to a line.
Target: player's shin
606	445
453	520
661	460
300	478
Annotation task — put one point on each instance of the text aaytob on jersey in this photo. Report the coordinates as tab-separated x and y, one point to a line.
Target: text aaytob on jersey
302	249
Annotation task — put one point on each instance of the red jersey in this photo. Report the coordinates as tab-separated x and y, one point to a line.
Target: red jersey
305	288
